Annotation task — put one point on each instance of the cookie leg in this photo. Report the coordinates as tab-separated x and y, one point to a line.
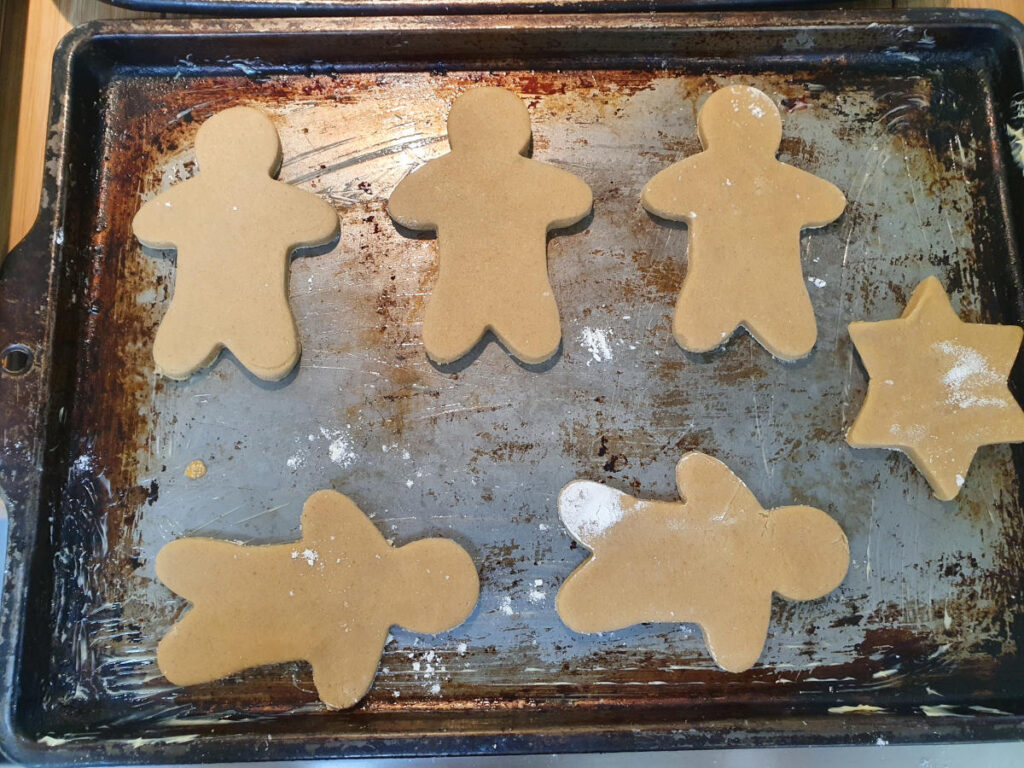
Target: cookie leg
183	344
449	330
273	351
784	323
533	331
736	632
343	671
197	650
705	317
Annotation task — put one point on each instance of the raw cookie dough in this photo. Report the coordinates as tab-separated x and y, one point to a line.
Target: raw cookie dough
744	210
713	559
492	209
937	388
328	598
234	227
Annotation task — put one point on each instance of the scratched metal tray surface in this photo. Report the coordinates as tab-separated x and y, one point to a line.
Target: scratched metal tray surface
908	114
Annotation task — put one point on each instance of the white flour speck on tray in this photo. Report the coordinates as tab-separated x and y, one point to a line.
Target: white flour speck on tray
595	341
83	463
340	446
506	606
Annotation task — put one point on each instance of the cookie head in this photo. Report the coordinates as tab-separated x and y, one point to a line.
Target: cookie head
742	116
809	552
238	140
435	585
489	119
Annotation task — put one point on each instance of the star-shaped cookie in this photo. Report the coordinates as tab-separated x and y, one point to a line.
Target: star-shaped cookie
937	388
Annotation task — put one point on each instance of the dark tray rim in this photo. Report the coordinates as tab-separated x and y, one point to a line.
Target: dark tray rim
256	8
30	273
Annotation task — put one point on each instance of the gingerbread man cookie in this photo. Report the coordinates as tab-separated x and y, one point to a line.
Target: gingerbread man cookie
715	559
744	210
328	598
234	227
492	208
937	388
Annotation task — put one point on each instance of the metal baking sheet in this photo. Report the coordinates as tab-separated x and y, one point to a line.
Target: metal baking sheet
908	114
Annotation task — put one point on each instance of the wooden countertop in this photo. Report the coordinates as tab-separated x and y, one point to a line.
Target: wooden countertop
29	32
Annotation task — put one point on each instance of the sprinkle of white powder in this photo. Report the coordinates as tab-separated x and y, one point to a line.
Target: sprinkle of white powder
462	649
307	554
409	483
506	605
817	282
595	341
83	463
590	509
340	448
959	481
969	373
536	594
755	110
406	456
295	461
435	688
542	526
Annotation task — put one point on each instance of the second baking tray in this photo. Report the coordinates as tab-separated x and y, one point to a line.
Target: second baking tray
907	114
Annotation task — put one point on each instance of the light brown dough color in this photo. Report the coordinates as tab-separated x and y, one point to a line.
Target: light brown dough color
938	387
234	228
328	598
713	559
744	211
492	209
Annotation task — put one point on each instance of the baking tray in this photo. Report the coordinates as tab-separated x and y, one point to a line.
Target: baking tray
427	7
906	113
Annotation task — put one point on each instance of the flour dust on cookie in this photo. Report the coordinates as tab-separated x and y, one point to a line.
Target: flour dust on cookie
492	208
744	210
329	599
938	387
713	559
234	227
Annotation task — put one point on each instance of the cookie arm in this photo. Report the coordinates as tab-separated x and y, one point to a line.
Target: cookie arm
156	222
666	194
822	202
412	202
572	197
328	516
319	219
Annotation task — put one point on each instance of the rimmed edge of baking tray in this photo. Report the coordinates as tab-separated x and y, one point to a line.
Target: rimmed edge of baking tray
255	8
31	276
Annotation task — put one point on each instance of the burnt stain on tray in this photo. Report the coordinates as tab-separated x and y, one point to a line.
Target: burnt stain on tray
935	613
